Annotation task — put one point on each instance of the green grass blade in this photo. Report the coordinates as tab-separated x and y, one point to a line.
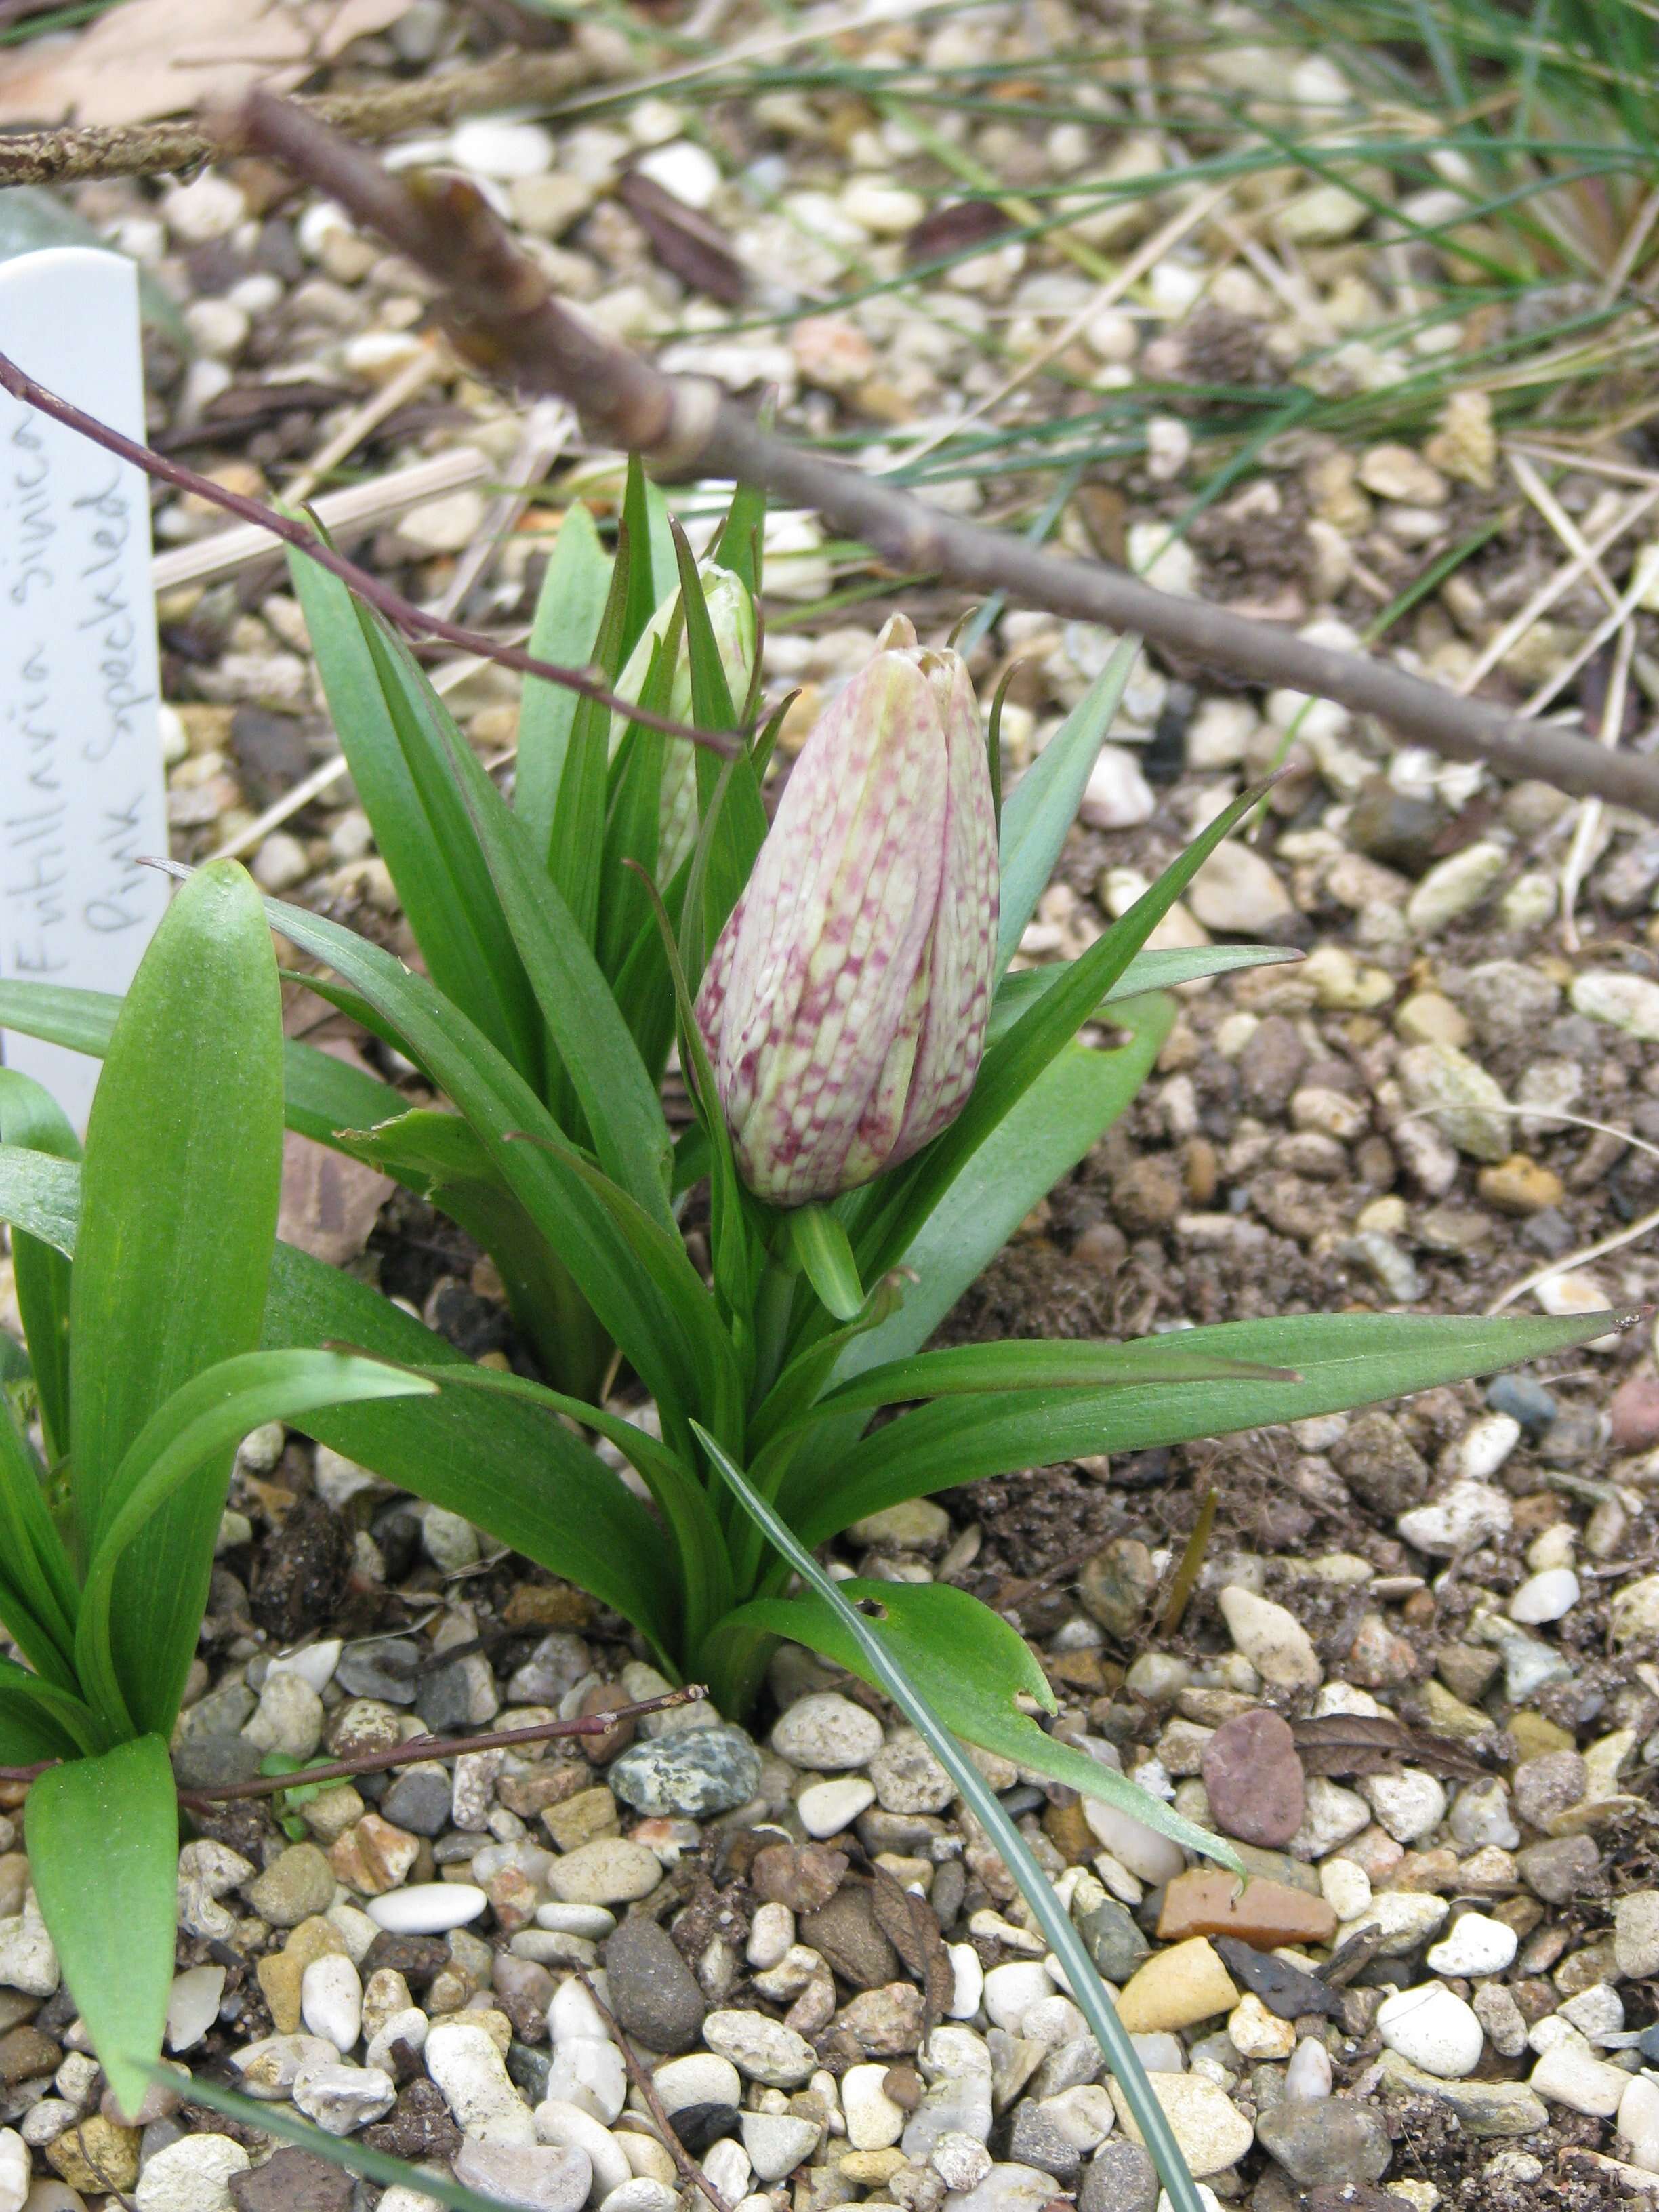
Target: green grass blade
981	1802
1042	805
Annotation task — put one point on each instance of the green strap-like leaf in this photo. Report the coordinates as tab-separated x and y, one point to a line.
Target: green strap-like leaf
704	1564
970	1666
180	1187
502	1464
30	1115
620	1105
565	631
39	1593
195	1430
1066	1111
1344	1360
40	1196
387	717
500	1106
883	1665
1037	1364
39	1720
103	1845
1043	806
350	2153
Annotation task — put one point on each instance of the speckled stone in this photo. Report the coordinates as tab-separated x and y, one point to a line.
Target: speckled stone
695	1771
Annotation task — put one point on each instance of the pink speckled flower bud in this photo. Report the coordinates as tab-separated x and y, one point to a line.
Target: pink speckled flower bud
845	1004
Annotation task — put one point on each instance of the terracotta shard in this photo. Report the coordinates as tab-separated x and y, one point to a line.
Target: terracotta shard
1208	1901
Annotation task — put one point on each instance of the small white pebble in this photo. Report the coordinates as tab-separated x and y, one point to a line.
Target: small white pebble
1546	1596
1432	2028
427	1908
828	1807
331	2000
1475	1945
1310	2074
1484	1445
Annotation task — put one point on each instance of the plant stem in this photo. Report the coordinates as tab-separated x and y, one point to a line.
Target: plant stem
402	613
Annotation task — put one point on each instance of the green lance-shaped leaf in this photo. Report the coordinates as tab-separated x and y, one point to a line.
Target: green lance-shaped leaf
321	1094
898	1208
180	1187
1343	1360
103	1845
1147	971
565	632
971	1667
506	1467
389	720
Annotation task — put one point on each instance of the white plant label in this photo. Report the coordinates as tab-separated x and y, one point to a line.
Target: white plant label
82	793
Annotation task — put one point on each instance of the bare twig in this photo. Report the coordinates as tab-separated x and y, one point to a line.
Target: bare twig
690	2170
417	1748
509	321
402	613
148	150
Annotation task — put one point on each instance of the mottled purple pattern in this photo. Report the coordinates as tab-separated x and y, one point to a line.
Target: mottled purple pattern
845	1004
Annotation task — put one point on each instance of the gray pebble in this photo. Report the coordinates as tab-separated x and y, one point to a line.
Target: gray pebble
1037	2139
539	2177
1561	1867
419	1800
384	1669
459	1696
207	1762
1113	1939
654	1993
1336	2140
1119	2178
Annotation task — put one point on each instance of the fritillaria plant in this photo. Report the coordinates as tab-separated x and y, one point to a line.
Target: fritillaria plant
880	1099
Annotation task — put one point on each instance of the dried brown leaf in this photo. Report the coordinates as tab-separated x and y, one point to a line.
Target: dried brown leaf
686	243
962	224
148	58
909	1924
1346	1744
